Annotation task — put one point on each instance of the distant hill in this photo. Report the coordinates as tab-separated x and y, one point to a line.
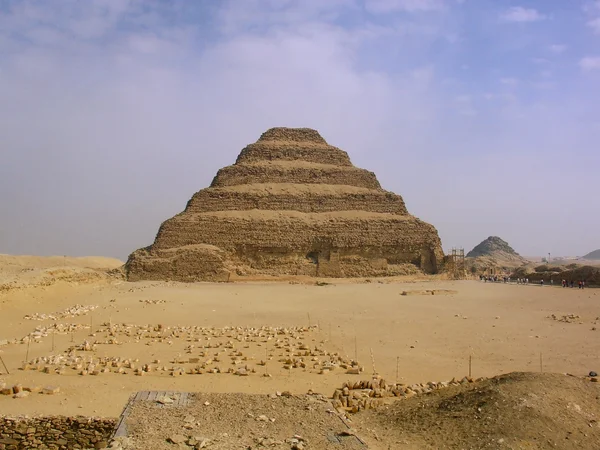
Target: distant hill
593	255
497	248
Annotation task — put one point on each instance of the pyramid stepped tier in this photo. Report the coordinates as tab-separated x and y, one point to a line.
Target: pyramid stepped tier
298	172
296	197
290	205
294	151
296	240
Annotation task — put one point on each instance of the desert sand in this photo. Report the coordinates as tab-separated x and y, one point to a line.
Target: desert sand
406	338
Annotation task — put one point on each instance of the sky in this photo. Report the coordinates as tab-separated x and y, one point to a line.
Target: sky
483	114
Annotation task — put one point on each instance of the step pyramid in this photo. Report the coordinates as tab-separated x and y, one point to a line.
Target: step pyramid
290	205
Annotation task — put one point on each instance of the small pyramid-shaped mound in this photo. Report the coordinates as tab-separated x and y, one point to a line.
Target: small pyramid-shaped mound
595	255
291	204
495	247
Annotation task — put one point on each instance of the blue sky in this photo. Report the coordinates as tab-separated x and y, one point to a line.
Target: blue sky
483	115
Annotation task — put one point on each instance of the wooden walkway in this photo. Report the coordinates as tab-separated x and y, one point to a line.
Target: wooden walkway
180	399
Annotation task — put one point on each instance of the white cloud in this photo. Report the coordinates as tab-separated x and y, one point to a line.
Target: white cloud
521	14
235	16
509	81
595	25
557	48
592	7
590	63
386	6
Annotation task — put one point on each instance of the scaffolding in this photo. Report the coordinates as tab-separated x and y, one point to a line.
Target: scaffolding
456	264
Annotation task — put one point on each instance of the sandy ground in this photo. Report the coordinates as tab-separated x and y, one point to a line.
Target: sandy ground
425	337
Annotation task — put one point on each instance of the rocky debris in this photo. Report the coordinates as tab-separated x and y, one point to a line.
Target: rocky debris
568	318
44	331
249	421
20	391
208	350
73	311
429	292
500	412
297	442
153	302
355	396
194	442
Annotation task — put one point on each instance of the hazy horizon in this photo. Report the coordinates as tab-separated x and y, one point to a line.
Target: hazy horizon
483	115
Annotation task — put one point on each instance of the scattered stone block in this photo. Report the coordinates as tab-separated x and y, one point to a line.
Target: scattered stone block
177	439
51	390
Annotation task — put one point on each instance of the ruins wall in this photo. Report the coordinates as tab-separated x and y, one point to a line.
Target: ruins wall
55	432
185	264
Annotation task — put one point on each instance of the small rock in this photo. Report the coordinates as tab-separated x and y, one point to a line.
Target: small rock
50	390
203	443
593	374
21	394
165	400
177	439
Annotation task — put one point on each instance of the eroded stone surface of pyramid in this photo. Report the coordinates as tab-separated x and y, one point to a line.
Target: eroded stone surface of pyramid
291	205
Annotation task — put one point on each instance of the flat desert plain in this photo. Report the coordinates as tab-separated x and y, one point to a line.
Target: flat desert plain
289	330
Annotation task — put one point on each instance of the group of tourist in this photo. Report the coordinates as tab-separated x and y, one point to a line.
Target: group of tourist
494	279
505	279
571	283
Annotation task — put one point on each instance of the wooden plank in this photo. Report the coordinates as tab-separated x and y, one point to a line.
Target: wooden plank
121	429
168	394
182	400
